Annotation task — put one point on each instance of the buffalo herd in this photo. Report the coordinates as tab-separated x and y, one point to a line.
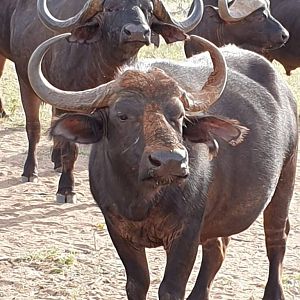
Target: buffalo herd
183	153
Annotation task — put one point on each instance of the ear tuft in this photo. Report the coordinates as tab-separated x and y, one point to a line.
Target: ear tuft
169	32
201	128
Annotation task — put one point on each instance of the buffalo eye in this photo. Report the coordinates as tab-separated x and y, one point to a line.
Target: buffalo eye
122	117
261	17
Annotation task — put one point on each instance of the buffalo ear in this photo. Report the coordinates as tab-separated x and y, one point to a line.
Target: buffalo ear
169	32
212	12
86	33
203	129
155	39
78	128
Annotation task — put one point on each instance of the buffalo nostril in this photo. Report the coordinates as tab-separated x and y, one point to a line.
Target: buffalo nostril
154	161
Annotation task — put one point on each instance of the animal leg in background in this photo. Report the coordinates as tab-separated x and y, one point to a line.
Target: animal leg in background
64	155
65	192
2	111
276	226
31	104
213	256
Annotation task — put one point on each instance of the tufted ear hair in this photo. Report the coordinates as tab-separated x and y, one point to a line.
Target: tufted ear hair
78	128
203	129
169	32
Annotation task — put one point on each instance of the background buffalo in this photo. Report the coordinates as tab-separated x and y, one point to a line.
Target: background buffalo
106	35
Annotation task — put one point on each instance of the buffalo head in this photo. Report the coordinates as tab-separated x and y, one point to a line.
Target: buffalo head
248	24
145	118
124	25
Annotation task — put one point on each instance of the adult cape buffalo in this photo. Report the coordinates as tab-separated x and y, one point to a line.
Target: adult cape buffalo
106	34
287	12
150	166
247	24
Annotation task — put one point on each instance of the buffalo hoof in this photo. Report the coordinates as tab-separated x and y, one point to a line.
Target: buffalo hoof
3	114
33	179
68	198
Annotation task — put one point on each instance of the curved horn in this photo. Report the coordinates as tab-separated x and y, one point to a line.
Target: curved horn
90	8
188	24
78	101
215	84
239	10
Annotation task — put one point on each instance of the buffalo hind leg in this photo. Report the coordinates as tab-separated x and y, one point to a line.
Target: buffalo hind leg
276	226
213	255
3	114
64	155
56	151
2	111
135	263
31	104
69	154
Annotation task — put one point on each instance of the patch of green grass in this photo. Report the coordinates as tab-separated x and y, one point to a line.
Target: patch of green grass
100	226
54	260
291	280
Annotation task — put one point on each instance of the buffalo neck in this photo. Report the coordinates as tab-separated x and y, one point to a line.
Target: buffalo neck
84	66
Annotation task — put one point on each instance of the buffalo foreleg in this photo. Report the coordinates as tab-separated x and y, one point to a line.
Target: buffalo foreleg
276	225
2	111
180	260
213	254
135	263
31	104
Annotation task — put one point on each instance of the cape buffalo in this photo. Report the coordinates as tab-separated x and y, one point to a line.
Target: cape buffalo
247	24
151	168
287	12
106	34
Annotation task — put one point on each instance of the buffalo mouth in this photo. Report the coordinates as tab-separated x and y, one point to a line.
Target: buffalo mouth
165	181
136	42
262	49
274	47
159	181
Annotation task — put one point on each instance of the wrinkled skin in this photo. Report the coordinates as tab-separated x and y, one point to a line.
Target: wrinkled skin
257	32
151	200
97	49
287	12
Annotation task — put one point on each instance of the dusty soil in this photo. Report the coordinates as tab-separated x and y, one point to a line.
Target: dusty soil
53	251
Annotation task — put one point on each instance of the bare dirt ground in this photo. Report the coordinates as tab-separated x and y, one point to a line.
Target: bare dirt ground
53	251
